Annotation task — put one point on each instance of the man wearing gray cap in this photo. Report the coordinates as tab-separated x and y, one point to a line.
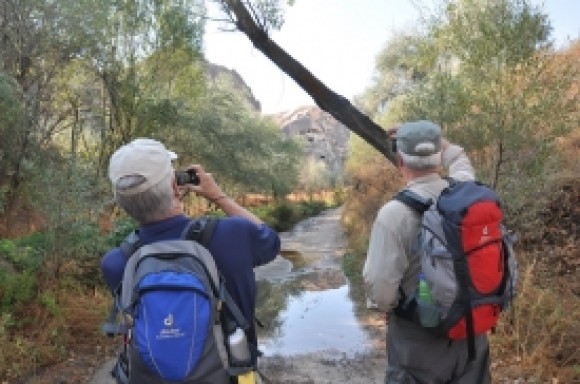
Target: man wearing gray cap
413	354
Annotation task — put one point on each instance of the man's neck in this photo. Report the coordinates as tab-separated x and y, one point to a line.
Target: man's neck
412	174
176	210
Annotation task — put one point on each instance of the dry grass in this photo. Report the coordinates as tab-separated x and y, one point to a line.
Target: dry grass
538	337
60	327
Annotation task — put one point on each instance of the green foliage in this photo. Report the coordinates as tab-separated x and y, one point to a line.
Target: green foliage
246	151
17	289
268	14
10	104
482	35
49	301
352	265
79	78
122	227
484	72
25	254
21	261
284	215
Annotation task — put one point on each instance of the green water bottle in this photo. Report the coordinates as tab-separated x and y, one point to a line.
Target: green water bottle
428	312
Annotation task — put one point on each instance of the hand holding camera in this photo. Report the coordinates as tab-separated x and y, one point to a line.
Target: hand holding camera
187	177
192	178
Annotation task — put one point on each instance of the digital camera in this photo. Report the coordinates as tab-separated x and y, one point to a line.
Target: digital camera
186	177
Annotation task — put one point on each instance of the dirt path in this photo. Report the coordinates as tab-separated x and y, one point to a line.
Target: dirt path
320	238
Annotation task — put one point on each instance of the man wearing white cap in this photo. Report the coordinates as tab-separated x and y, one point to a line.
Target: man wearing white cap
413	354
144	185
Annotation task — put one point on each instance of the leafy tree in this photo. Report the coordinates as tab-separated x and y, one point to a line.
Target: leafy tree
481	71
38	39
244	149
488	86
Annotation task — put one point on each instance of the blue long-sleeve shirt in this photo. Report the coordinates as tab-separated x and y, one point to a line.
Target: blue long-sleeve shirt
237	245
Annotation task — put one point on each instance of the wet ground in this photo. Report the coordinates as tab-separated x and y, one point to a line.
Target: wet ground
303	295
313	331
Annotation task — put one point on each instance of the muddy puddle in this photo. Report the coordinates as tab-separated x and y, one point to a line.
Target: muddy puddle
303	295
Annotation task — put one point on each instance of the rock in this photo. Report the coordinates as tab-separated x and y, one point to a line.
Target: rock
325	139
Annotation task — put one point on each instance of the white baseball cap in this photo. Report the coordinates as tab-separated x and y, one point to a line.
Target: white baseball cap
143	157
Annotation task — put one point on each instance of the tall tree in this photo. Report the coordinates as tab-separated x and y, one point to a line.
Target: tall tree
37	39
485	71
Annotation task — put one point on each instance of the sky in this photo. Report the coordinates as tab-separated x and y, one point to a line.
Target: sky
338	41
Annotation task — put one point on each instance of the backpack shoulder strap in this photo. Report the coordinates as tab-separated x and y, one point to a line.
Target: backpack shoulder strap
201	230
412	200
131	243
406	305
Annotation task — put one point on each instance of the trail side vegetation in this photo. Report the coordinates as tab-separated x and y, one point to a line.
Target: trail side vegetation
78	79
489	74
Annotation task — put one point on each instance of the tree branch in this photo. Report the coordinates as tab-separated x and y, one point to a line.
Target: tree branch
336	105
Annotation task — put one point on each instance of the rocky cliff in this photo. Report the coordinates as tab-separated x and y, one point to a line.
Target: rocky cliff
214	72
325	139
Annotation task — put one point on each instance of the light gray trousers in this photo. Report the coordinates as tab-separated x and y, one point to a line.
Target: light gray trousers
414	356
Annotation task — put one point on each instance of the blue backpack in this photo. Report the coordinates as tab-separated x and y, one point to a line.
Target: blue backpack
171	303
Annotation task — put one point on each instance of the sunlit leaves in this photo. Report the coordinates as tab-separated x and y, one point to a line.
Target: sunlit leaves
267	14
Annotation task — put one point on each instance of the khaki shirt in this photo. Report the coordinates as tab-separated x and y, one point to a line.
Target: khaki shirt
390	261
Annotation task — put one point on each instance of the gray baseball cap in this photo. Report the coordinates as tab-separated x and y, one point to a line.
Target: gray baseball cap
144	157
419	138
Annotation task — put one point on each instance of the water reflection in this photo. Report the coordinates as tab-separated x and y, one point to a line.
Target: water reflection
303	296
307	310
316	321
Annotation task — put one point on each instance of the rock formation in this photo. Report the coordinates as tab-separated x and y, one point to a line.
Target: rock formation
325	139
214	72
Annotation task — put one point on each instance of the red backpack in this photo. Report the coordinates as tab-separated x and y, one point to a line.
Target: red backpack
467	262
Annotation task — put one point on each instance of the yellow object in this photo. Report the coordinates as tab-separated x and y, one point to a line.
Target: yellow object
247	378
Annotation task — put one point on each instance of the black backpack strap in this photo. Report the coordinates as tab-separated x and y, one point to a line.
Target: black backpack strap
462	274
201	230
406	307
414	201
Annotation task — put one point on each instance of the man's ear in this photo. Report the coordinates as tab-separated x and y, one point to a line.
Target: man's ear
175	188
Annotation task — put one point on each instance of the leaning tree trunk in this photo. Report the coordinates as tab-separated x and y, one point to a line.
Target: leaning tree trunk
336	105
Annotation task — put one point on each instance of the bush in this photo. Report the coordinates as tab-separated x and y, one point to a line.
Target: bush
17	289
284	215
27	253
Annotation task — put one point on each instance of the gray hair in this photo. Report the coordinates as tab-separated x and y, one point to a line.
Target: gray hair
421	163
153	204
